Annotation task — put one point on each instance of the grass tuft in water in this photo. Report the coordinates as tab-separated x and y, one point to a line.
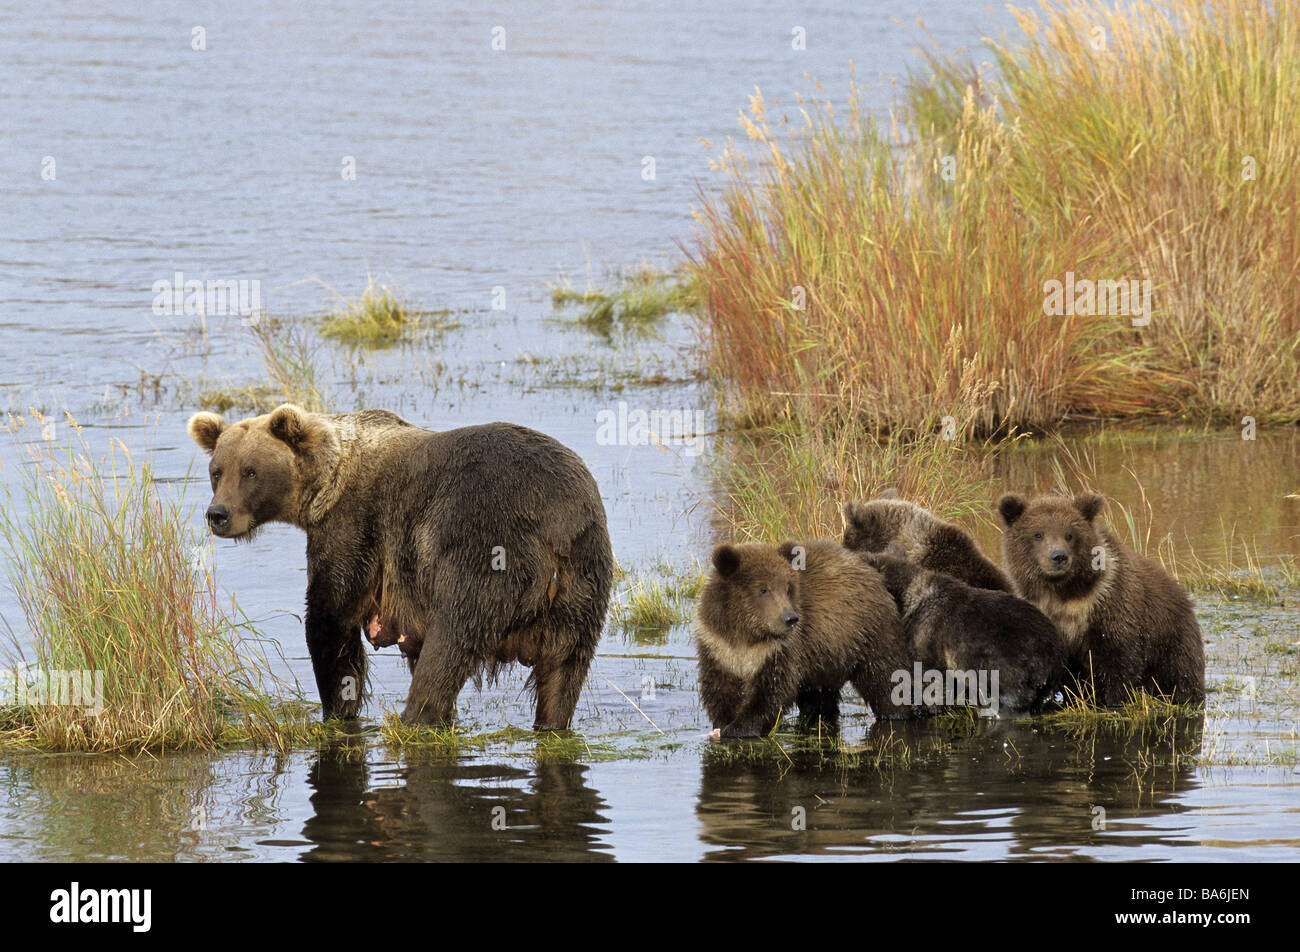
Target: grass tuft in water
637	300
289	359
121	613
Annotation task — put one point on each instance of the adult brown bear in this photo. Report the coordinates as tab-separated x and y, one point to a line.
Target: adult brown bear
477	546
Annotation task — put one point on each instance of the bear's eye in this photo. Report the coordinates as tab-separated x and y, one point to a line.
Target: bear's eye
789	589
216	476
249	474
1038	536
763	590
1069	537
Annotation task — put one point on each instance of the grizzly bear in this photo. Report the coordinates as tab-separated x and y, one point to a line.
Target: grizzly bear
928	541
976	635
780	624
1126	623
484	545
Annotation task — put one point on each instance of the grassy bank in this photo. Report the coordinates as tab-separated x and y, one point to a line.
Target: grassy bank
896	276
128	646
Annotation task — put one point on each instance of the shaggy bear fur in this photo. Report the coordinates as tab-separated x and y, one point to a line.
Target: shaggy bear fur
480	545
792	623
1126	623
952	626
926	539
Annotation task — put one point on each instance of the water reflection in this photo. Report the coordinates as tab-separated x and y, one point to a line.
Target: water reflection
452	811
1006	791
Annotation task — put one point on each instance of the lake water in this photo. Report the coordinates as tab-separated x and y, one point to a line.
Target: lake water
481	176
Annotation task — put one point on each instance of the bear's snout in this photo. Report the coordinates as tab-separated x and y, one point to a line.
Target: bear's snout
790	619
218	517
1059	560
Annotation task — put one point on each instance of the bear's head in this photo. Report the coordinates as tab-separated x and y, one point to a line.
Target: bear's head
753	591
262	468
1049	540
871	526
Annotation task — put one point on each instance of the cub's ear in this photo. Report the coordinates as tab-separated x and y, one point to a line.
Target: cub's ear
1010	507
854	513
1088	504
726	560
204	429
890	493
291	424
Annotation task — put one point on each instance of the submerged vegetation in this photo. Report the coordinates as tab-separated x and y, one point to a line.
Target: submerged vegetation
634	303
896	276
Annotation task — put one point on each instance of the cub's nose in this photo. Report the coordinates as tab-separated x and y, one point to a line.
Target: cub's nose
218	517
1060	557
790	619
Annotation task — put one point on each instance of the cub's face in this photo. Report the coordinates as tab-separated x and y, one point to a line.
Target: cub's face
761	588
253	471
1052	536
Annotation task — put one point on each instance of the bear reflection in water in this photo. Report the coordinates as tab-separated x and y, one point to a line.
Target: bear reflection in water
452	812
1007	790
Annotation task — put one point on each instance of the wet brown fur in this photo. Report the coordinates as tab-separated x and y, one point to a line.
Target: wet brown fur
401	527
753	663
927	540
1126	626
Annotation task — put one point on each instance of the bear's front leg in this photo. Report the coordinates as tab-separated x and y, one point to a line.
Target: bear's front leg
338	656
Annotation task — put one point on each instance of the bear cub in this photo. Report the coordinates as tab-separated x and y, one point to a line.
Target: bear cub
926	539
1126	623
792	623
954	627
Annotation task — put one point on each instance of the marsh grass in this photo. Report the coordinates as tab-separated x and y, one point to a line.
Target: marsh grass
1140	711
378	317
850	261
657	600
789	482
111	580
290	360
634	302
451	743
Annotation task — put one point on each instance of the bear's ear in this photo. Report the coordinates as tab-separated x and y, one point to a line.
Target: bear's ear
726	560
1010	507
291	424
890	493
786	550
205	429
1088	504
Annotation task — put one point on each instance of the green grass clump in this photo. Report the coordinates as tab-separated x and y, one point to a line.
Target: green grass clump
1140	711
652	604
379	317
638	299
112	581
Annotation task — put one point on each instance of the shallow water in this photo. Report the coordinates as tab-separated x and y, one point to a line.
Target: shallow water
479	170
